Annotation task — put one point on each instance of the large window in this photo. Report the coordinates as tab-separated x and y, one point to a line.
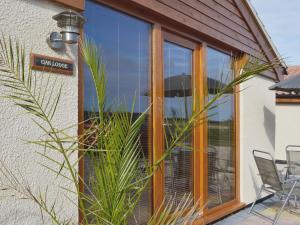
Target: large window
221	152
126	49
203	168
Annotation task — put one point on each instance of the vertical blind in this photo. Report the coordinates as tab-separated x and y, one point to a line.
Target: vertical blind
177	110
125	44
221	152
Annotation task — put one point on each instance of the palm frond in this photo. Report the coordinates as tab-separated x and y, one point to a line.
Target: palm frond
39	97
93	59
116	170
38	101
21	189
182	214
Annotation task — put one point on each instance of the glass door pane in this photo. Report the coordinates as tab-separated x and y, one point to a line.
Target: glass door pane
178	100
125	44
221	152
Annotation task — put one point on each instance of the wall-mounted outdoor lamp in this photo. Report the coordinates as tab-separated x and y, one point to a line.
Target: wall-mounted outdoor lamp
70	23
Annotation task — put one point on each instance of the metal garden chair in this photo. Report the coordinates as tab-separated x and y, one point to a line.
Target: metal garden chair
293	166
293	160
272	182
213	176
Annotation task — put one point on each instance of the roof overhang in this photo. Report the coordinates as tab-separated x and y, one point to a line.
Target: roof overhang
275	55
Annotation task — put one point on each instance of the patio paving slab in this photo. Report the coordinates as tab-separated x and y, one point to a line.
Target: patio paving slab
267	208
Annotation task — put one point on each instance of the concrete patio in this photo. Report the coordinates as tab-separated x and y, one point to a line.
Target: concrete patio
267	208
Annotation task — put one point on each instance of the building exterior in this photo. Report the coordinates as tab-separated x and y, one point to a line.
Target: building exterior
287	119
145	43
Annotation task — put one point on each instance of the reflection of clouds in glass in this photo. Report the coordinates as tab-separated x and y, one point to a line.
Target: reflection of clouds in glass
174	107
220	131
177	61
125	43
177	110
224	109
219	66
219	70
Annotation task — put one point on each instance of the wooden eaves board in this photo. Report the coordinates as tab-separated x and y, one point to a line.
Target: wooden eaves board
257	30
74	4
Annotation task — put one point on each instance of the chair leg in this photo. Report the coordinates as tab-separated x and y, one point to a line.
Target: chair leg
284	204
220	194
257	197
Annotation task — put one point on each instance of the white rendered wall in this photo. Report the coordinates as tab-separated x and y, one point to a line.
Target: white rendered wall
287	127
257	131
30	21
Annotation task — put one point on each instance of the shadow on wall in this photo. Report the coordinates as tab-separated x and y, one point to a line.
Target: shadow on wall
269	125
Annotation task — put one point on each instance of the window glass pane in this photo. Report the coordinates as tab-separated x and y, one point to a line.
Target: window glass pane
126	49
177	110
221	152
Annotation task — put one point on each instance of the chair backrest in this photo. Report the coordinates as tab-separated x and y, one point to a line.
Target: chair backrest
267	170
293	159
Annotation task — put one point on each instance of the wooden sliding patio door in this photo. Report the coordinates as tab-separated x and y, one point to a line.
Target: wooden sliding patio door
187	74
179	86
176	74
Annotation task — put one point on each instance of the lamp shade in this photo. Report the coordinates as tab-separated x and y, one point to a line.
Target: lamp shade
70	23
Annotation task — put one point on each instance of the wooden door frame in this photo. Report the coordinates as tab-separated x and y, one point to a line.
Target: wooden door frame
200	159
157	112
158	179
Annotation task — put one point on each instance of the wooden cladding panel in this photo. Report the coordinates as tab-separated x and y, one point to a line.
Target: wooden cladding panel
202	27
190	18
198	16
211	18
231	1
230	6
200	12
265	46
74	4
214	15
225	12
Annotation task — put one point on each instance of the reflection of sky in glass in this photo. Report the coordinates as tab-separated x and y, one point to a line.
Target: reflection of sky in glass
177	110
219	69
125	44
177	61
221	158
